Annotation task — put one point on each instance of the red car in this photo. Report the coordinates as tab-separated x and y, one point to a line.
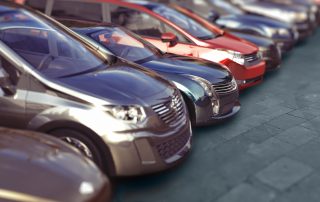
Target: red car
169	30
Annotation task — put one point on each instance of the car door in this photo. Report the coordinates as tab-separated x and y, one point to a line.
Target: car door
13	91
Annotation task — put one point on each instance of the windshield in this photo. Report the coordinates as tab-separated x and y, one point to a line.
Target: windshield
123	45
186	23
227	7
46	47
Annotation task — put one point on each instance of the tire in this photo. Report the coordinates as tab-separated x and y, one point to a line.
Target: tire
97	157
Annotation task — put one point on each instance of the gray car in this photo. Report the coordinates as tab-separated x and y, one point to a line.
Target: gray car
297	15
36	167
129	120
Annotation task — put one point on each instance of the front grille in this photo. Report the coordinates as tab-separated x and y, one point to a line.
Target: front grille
171	111
224	88
251	58
172	146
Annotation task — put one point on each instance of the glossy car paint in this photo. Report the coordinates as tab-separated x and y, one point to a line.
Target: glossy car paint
85	104
215	50
313	9
269	51
178	69
37	167
296	15
230	18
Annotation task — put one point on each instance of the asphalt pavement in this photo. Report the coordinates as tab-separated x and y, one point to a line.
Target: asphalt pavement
269	152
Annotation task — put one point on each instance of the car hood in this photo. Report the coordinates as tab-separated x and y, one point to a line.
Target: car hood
179	65
259	41
40	165
252	20
120	83
230	42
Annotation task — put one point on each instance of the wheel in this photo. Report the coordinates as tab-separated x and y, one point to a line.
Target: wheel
81	142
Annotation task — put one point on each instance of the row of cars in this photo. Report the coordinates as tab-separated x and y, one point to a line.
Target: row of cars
123	82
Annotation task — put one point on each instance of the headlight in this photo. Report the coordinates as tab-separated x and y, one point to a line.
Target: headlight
283	31
234	84
132	114
208	88
301	17
237	57
314	8
206	85
270	31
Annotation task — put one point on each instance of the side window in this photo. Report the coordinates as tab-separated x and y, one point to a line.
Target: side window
77	10
136	21
141	23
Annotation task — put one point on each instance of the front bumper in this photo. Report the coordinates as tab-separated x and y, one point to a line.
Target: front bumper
305	29
220	118
229	106
285	45
247	76
151	152
272	56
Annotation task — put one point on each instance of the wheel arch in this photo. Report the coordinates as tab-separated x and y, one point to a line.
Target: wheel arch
98	141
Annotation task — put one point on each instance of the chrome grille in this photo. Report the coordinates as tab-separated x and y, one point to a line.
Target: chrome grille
172	146
224	88
170	111
251	57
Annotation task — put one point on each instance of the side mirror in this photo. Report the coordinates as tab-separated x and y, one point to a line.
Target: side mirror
169	38
6	84
213	16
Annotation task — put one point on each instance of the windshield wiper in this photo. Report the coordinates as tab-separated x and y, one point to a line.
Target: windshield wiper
206	37
99	67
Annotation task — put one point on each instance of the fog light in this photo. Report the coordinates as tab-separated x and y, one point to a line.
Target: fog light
215	106
241	82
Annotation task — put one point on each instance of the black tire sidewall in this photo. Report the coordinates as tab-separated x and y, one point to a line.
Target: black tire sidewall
97	156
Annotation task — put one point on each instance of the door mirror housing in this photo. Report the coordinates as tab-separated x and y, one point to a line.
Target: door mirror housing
6	84
170	38
213	16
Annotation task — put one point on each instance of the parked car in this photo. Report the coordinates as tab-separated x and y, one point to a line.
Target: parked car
231	18
294	14
208	89
129	120
268	50
37	167
312	7
158	24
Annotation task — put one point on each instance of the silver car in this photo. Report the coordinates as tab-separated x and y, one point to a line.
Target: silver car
129	120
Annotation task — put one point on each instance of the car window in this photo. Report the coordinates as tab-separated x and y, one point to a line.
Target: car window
46	46
77	10
226	7
142	23
184	22
48	51
122	44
